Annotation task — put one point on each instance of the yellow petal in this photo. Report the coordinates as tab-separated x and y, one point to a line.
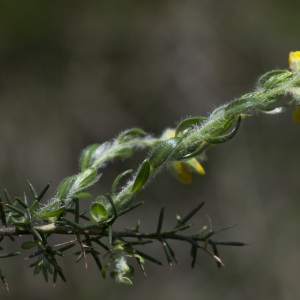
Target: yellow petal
181	172
296	114
294	60
168	134
195	166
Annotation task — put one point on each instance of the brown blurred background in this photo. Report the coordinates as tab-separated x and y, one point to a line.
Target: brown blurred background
77	72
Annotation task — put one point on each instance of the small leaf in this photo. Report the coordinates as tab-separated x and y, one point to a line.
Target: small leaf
263	79
161	152
28	245
160	219
34	206
196	153
239	105
64	187
9	254
15	209
53	213
216	253
7	196
47	264
142	176
97	260
86	156
116	181
194	251
99	153
130	134
229	243
148	257
21	202
188	123
37	234
182	221
74	224
168	253
43	192
45	273
33	191
120	279
226	137
277	79
123	153
131	270
86	178
82	195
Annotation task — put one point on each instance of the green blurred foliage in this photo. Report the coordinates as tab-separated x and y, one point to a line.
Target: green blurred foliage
75	73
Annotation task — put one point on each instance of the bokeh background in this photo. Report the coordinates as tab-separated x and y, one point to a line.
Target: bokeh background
74	73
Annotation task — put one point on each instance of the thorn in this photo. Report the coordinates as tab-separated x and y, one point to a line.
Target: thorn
5	284
83	250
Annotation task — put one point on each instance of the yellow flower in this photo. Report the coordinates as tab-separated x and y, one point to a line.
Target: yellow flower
183	169
296	114
294	61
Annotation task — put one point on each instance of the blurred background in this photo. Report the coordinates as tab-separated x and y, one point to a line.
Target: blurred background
74	73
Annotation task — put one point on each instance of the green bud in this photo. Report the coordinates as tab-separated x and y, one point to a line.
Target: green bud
98	211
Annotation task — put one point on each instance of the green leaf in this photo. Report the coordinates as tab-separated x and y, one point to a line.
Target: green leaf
161	152
99	153
86	179
117	180
64	187
277	110
33	191
239	105
53	213
9	254
196	153
15	209
194	251
45	273
38	268
126	280
7	196
34	206
86	156
43	192
82	195
216	253
123	153
148	257
28	245
273	78
142	176
168	253
21	202
130	134
188	123
226	137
